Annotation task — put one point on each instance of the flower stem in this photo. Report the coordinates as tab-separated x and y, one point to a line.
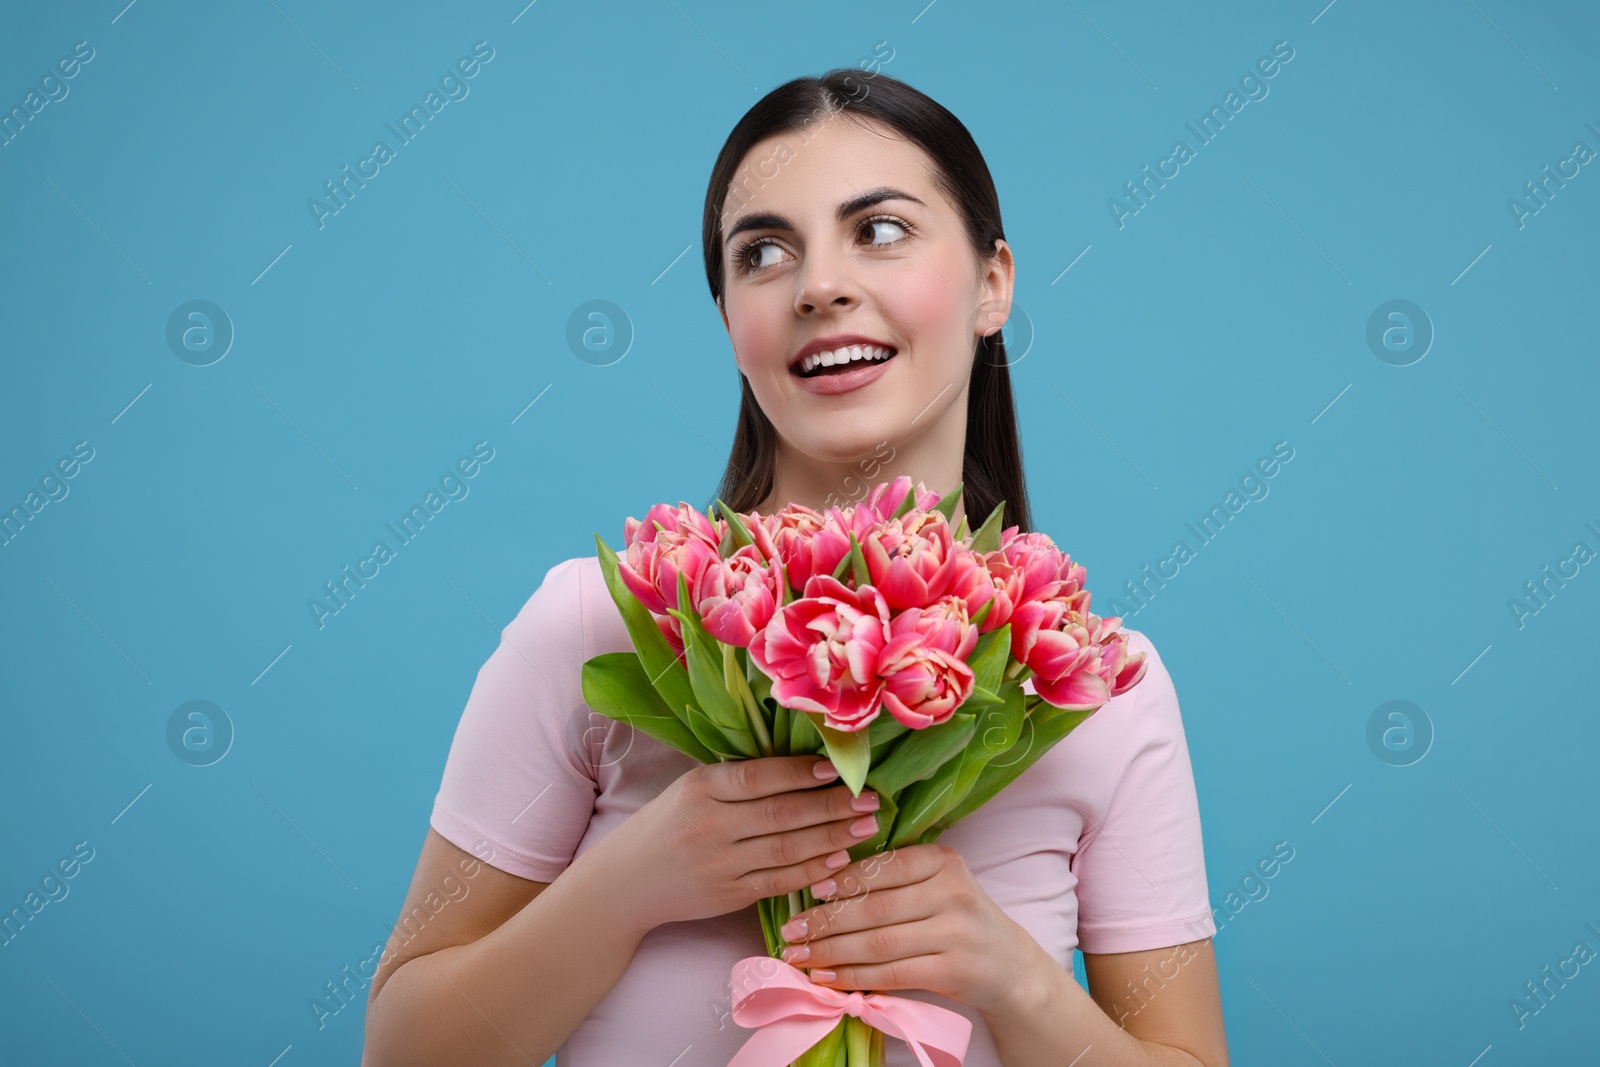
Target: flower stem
763	739
735	679
857	1042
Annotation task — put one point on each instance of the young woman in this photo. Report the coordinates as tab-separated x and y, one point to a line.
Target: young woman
584	890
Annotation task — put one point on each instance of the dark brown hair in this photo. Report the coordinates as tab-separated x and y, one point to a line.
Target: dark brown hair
991	467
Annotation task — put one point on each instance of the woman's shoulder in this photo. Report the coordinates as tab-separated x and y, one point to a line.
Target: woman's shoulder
572	601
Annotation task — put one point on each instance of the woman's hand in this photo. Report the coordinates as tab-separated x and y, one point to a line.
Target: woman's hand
913	918
723	835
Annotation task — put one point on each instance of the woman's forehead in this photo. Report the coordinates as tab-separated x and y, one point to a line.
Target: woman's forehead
810	172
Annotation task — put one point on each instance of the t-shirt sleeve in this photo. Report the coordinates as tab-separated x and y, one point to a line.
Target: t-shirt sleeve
1141	873
519	785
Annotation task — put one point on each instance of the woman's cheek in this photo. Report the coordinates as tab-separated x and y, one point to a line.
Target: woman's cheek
759	344
921	310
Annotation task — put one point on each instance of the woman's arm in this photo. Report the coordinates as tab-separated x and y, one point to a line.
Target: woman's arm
506	975
1157	1008
460	988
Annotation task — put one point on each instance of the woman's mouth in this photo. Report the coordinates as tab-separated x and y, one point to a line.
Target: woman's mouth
841	360
845	369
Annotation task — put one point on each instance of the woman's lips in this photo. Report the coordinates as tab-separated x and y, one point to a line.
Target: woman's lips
847	380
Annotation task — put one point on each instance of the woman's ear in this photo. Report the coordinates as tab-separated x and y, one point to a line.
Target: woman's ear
999	276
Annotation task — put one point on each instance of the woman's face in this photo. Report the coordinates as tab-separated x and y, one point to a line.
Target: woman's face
852	243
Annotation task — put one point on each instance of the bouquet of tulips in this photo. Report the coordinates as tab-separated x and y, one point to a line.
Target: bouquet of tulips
793	633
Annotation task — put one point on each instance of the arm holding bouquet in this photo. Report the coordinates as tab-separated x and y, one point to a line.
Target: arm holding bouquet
912	656
917	918
719	838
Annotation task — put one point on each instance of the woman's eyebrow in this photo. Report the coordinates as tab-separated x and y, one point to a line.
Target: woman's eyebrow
768	220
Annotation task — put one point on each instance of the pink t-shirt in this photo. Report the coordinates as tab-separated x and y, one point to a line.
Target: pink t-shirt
1097	845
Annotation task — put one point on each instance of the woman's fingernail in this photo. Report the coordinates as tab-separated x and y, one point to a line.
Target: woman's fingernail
824	888
837	860
822	975
865	826
825	770
796	953
864	802
794	929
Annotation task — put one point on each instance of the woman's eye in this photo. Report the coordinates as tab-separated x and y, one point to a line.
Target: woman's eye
751	258
896	229
760	252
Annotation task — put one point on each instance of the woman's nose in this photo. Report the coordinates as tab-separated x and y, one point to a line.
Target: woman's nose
825	280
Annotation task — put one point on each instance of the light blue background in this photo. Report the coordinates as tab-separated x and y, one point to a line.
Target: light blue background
1230	313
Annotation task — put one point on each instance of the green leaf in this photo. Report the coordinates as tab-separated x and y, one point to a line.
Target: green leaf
999	726
736	526
849	750
924	801
657	657
907	502
980	698
882	733
987	539
615	685
1040	732
858	562
706	668
842	566
983	613
780	729
760	683
925	804
728	745
989	657
947	503
921	753
803	735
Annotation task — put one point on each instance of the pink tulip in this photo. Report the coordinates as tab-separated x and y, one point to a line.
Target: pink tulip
737	596
1120	670
910	558
761	527
672	630
1077	661
668	542
680	521
980	579
886	497
807	542
944	625
822	650
1047	571
1028	620
923	685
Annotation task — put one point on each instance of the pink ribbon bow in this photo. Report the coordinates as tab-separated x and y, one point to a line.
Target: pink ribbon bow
794	1013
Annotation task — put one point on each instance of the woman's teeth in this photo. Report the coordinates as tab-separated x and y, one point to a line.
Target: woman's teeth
819	362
